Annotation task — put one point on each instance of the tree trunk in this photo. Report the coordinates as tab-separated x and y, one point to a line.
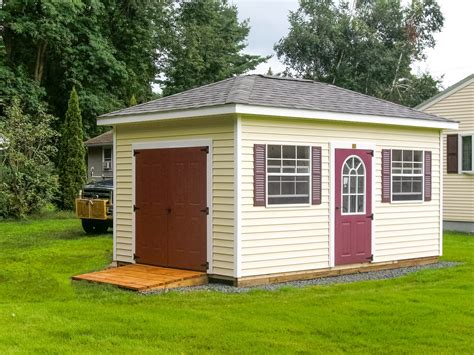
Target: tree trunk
40	61
337	67
396	72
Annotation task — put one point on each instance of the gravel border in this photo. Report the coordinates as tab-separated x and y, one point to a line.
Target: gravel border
364	276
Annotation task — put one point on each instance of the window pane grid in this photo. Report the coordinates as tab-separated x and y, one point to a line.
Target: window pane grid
353	186
467	153
407	175
288	171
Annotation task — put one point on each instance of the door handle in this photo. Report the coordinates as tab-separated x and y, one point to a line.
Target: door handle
168	210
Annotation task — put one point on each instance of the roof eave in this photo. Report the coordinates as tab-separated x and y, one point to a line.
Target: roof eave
278	112
449	91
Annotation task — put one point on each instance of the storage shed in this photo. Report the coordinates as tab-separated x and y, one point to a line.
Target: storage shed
257	179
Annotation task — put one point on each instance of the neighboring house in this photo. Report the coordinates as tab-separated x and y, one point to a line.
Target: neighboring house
259	179
457	103
100	163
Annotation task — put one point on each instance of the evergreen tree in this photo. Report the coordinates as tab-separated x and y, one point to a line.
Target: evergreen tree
71	165
206	46
133	101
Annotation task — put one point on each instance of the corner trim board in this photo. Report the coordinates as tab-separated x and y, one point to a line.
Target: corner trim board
237	196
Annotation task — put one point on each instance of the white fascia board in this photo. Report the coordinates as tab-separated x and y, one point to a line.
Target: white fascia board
346	117
168	115
276	112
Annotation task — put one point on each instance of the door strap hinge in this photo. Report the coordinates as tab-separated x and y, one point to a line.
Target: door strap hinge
135	257
205	210
135	208
206	149
135	152
371	216
370	152
371	258
206	264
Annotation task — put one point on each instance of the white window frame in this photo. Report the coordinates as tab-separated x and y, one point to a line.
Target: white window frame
357	194
111	157
422	175
460	151
290	205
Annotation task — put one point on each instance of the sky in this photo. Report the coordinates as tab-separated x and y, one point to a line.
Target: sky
452	57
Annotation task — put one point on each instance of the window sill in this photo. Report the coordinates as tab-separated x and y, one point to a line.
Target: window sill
467	172
294	205
415	202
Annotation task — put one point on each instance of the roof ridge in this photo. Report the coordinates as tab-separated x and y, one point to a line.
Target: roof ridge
241	89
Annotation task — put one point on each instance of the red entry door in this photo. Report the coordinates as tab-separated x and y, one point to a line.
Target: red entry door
353	206
170	200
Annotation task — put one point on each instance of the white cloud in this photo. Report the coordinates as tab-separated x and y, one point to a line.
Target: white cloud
452	57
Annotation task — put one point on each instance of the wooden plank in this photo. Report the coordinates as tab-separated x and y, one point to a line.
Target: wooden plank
144	277
336	271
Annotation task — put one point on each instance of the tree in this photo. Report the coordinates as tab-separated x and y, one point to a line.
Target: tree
133	101
72	154
206	46
368	47
108	49
27	178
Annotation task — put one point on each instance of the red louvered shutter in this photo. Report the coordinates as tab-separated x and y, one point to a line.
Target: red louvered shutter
316	175
452	154
259	167
428	176
386	174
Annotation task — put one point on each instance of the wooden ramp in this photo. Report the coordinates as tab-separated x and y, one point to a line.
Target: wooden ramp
145	277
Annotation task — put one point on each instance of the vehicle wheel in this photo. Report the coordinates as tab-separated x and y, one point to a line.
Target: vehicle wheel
91	226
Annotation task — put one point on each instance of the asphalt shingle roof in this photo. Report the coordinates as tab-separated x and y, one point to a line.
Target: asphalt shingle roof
272	91
103	139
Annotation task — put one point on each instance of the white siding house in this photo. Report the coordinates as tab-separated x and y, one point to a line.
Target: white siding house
457	103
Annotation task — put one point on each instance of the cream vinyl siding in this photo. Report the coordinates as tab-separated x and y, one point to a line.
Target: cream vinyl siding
458	198
221	131
286	239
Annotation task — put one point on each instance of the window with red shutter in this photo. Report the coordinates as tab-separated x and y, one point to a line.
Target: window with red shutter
316	175
386	175
259	181
452	154
428	176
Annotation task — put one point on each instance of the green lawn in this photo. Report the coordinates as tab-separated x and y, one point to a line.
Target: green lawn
42	311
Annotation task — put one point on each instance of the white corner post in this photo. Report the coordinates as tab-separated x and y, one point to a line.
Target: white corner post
237	195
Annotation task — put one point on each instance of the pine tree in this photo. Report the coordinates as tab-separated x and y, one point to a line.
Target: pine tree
72	167
133	101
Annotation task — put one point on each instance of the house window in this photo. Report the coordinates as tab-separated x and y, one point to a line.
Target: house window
353	186
407	175
467	153
288	172
107	158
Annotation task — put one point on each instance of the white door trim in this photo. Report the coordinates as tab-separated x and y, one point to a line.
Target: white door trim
188	143
332	181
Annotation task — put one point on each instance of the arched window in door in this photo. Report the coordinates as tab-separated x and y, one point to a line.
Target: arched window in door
353	186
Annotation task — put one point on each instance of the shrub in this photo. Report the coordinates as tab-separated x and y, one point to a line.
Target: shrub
27	179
